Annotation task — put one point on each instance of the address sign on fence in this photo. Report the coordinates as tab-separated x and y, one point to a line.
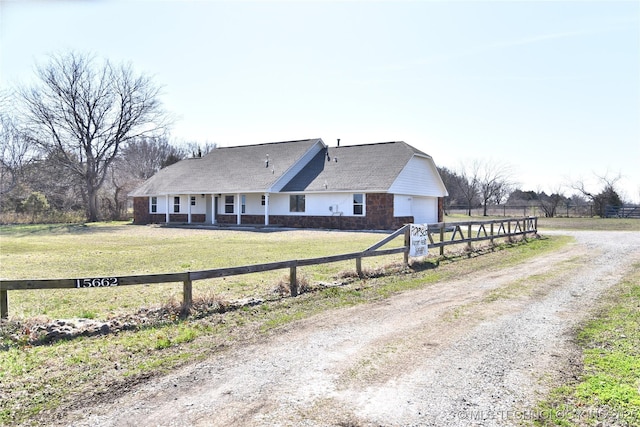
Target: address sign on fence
103	282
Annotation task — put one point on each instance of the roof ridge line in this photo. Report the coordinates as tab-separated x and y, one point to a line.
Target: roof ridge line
271	143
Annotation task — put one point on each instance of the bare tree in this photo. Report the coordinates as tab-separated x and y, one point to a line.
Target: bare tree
469	185
81	112
454	183
198	150
15	150
138	161
143	157
608	196
483	182
494	181
549	203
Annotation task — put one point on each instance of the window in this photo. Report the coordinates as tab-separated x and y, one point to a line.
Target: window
296	203
244	204
358	204
154	204
263	200
176	204
228	204
193	200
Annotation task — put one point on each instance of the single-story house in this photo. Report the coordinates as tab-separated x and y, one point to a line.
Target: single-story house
297	184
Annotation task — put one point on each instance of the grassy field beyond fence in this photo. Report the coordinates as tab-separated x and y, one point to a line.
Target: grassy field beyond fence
118	249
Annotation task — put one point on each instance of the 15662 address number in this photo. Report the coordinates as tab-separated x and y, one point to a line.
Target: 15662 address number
97	283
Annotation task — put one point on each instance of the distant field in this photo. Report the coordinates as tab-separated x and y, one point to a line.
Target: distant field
611	224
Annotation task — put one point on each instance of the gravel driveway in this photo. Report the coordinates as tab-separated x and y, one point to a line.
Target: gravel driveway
474	351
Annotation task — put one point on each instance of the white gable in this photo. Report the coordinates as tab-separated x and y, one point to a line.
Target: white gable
419	177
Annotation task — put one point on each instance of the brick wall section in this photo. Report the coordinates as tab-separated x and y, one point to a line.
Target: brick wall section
141	210
198	218
157	219
440	209
230	219
379	209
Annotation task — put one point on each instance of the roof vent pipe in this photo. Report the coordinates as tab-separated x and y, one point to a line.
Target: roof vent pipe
338	142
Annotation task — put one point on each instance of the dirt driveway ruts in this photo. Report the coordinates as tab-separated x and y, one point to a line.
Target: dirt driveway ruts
473	351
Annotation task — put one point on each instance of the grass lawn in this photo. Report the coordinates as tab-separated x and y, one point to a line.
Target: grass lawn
609	224
121	249
607	391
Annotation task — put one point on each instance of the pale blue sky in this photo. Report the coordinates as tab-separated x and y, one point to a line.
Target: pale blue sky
551	88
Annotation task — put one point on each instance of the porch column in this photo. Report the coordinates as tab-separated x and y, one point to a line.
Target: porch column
266	208
213	208
189	208
238	209
166	219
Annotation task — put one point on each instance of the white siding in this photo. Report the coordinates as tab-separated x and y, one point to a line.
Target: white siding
315	204
419	177
254	204
423	209
402	205
185	199
200	207
161	205
278	204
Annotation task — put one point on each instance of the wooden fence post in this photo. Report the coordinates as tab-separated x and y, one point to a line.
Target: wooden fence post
491	234
469	237
441	238
4	304
187	295
293	280
407	244
359	266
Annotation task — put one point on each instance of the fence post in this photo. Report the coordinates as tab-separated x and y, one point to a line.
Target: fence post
293	280
492	234
187	294
407	244
469	237
4	304
359	266
441	238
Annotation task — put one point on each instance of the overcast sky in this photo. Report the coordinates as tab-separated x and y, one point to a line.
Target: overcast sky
550	88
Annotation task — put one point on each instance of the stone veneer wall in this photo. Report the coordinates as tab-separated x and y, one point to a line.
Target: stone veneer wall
183	218
141	210
157	219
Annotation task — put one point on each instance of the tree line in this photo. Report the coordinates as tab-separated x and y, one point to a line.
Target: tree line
79	139
87	132
484	183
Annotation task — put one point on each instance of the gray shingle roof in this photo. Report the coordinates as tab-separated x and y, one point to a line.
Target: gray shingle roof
228	170
369	167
